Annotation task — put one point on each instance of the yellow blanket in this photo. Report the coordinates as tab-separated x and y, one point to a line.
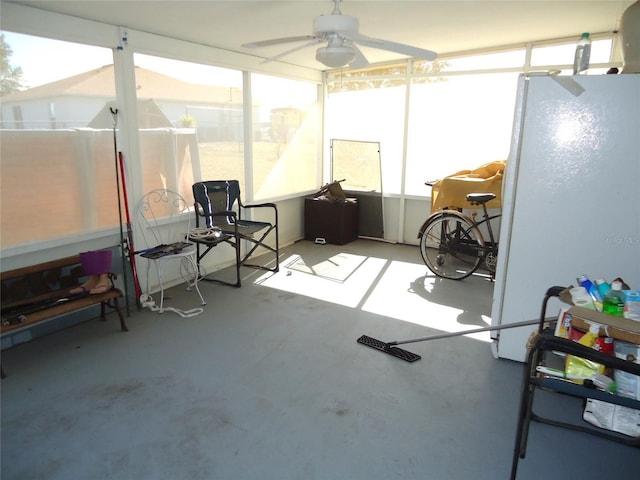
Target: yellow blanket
451	191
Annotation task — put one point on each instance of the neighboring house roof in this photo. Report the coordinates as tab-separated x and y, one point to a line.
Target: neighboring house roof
149	84
149	116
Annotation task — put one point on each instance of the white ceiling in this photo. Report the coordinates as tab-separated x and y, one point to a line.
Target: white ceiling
445	26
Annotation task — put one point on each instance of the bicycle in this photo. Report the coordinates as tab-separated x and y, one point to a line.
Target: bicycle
452	245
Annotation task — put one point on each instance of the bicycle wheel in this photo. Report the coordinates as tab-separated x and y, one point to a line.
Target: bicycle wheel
451	246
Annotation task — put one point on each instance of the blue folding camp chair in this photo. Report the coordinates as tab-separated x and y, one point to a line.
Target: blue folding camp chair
219	206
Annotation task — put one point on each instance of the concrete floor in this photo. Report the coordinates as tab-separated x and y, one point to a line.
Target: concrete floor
269	383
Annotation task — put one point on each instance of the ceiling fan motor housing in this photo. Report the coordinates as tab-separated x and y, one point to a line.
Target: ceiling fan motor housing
335	24
332	28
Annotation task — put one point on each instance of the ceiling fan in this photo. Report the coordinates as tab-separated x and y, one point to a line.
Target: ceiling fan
340	32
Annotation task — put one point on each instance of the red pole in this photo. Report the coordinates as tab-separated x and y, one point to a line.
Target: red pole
132	256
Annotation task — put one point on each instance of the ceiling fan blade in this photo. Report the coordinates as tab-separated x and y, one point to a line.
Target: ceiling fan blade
278	41
394	47
294	49
360	61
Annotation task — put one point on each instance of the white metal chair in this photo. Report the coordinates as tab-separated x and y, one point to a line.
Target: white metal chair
164	220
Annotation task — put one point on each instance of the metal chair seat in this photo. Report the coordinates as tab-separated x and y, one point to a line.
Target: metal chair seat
164	220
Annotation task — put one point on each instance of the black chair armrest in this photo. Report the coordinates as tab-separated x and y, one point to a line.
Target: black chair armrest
259	205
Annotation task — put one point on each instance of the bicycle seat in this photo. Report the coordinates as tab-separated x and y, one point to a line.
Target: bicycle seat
480	198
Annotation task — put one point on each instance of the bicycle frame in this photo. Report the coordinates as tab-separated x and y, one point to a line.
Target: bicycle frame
451	243
492	247
486	218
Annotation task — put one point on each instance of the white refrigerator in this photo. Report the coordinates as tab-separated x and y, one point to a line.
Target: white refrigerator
571	199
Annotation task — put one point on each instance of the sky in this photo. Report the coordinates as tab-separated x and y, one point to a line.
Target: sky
44	60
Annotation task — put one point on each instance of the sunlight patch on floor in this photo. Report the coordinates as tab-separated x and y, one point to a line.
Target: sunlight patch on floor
405	293
400	290
338	267
349	293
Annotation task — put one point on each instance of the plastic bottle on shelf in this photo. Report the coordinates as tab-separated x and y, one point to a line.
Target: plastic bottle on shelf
632	304
613	302
581	298
624	284
582	55
603	287
590	338
584	281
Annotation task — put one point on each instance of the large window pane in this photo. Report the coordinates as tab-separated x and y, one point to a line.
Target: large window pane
371	115
563	54
190	119
375	76
458	124
286	136
508	59
58	175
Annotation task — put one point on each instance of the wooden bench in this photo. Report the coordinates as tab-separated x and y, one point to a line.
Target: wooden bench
38	293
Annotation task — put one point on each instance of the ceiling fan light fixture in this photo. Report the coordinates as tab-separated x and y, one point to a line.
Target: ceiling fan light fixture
340	32
335	57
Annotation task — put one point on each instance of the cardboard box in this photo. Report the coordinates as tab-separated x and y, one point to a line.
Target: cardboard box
618	328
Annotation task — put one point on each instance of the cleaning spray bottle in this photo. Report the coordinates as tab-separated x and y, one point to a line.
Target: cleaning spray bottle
589	339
